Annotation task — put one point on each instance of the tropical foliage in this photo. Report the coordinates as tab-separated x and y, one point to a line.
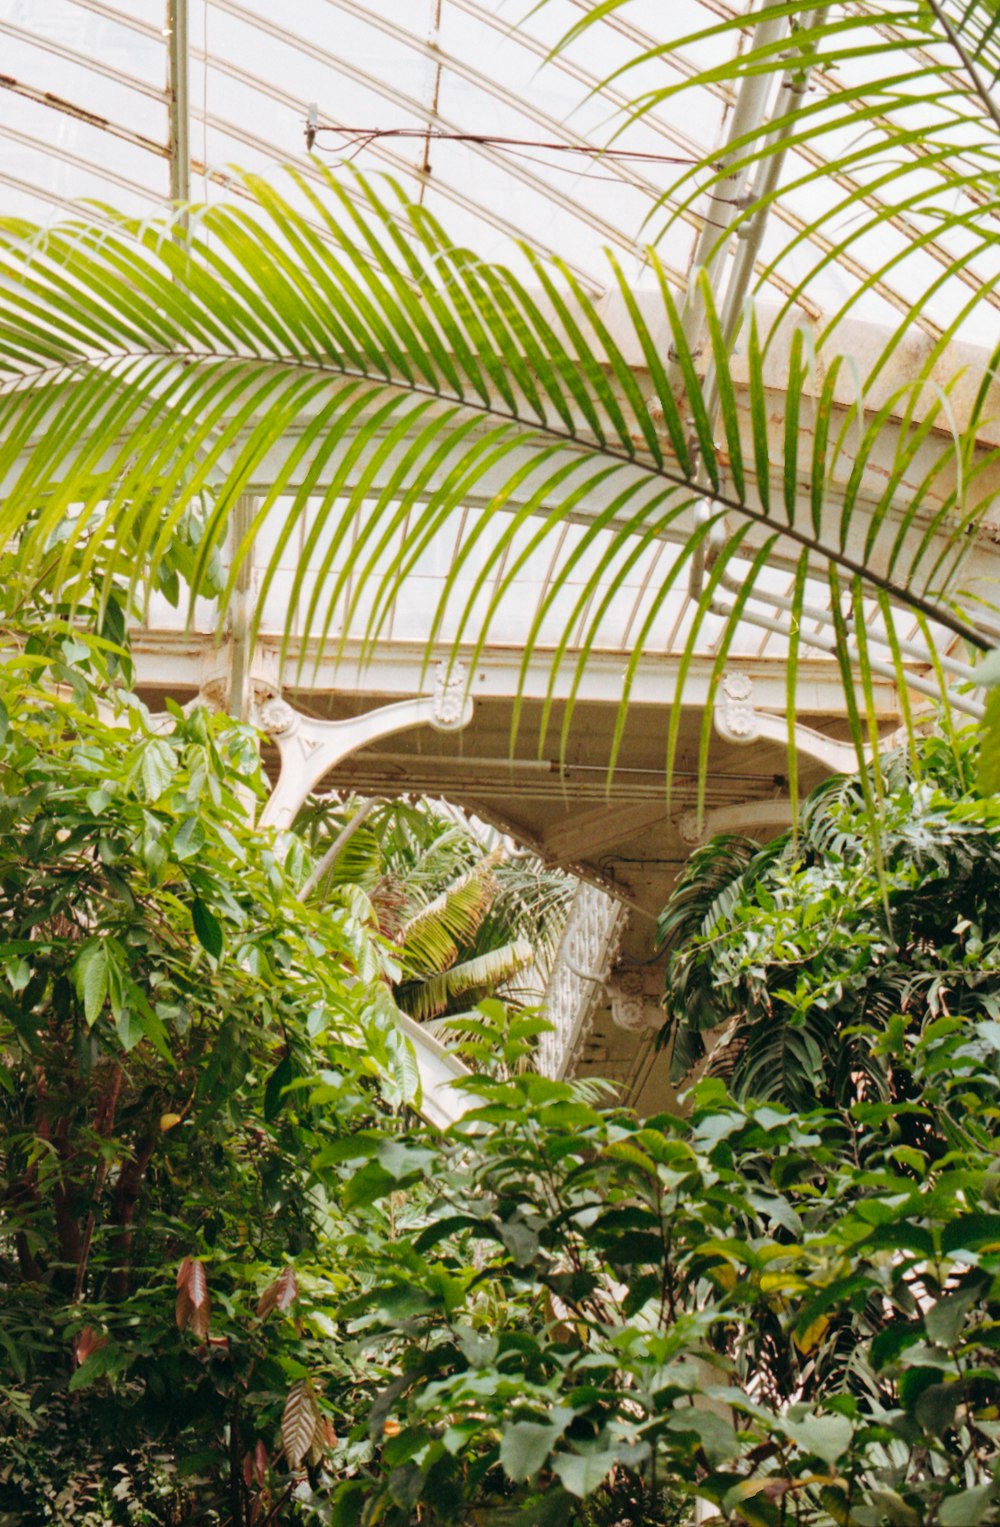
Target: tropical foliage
164	992
468	914
241	1282
790	1317
784	963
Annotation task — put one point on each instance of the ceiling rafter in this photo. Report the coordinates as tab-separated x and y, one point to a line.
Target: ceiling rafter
121	18
85	60
66	156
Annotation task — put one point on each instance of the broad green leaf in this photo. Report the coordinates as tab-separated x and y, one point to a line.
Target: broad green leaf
583	1473
157	768
936	1405
274	1090
826	1436
207	927
969	1508
716	1435
189	839
943	1322
91	977
525	1446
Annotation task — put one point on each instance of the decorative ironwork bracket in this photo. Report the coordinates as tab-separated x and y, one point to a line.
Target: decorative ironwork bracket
746	817
309	749
737	720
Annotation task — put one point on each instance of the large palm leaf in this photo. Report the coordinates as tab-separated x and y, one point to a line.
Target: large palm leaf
363	375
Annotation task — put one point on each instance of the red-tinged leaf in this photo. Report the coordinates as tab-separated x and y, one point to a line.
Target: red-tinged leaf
197	1284
268	1300
260	1462
298	1423
280	1294
87	1342
201	1314
183	1309
329	1435
248	1470
288	1289
183	1271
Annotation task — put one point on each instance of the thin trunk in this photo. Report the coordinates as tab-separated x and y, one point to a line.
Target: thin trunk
127	1197
103	1121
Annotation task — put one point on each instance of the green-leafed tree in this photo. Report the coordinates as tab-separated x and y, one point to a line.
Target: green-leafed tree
164	996
786	963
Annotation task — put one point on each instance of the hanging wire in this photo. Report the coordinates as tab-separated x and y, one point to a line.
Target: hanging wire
353	140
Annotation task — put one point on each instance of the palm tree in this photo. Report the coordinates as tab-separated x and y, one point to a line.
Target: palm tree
336	354
467	916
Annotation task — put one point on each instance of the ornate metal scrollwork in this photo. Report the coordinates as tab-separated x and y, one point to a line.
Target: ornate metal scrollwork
452	708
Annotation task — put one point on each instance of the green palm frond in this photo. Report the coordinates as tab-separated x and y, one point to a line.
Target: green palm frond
470	979
431	938
368	377
531	903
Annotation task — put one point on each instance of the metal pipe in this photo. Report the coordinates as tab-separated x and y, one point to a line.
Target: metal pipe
179	106
828	644
751	233
812	612
748	114
793	86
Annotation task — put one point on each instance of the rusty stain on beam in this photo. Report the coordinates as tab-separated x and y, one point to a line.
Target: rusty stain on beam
92	118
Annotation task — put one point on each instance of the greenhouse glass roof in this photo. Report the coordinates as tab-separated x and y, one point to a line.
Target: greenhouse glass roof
467	106
465	103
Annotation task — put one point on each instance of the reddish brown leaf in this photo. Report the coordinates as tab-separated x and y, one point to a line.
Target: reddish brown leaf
201	1314
288	1289
280	1294
87	1342
267	1300
329	1435
182	1272
298	1423
248	1470
183	1309
260	1462
197	1284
